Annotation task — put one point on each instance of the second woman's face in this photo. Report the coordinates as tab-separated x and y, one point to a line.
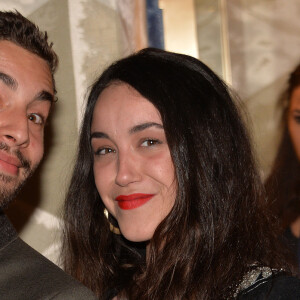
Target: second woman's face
294	120
133	169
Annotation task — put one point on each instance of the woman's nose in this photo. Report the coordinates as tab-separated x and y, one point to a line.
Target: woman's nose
128	170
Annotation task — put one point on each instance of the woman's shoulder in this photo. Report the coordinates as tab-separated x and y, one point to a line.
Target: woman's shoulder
276	287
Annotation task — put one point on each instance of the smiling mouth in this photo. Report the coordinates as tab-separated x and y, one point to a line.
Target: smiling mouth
133	201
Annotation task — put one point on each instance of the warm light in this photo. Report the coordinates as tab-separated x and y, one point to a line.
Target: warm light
180	26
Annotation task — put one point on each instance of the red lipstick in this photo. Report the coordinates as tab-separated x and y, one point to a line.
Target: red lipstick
133	201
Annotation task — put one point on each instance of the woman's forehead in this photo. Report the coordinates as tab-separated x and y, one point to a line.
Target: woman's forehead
121	105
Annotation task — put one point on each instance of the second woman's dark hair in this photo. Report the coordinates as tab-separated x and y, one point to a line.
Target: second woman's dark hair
218	228
283	183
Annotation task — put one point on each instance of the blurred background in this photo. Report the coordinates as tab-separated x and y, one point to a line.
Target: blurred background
252	45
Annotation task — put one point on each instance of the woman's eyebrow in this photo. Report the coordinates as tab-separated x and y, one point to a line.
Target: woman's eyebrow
99	135
136	128
143	126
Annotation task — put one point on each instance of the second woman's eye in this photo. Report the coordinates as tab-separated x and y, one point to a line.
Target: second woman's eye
297	118
150	142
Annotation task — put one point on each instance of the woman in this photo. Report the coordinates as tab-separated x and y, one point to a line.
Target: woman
283	183
164	155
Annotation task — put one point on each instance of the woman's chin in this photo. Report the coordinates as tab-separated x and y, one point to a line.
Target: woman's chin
136	236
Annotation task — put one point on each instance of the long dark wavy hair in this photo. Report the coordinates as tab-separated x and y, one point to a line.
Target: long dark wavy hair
218	228
283	183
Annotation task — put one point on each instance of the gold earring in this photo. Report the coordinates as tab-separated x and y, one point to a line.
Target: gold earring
112	228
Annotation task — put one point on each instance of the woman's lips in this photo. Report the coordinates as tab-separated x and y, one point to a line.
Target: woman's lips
133	201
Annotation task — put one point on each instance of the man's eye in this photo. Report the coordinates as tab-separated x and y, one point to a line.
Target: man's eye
104	151
36	118
150	142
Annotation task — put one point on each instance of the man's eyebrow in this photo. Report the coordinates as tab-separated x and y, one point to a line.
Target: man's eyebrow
143	126
99	135
13	84
44	95
9	81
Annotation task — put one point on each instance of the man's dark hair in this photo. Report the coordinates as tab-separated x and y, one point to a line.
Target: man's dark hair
19	30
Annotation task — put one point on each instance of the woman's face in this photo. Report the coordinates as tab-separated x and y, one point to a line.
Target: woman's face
133	169
294	120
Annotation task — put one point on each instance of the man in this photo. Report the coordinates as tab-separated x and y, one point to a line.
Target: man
27	65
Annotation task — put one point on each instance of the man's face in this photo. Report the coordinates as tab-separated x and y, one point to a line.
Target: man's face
26	93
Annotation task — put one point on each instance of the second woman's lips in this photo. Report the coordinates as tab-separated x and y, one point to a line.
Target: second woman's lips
133	201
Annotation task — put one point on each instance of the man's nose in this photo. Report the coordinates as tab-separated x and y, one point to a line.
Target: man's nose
16	131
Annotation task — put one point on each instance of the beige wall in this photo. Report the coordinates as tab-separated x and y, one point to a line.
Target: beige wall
265	47
253	45
179	18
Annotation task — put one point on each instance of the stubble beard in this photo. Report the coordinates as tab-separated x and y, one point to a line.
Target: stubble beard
10	186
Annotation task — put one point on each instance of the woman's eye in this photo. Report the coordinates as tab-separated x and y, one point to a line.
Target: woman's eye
104	151
36	118
150	142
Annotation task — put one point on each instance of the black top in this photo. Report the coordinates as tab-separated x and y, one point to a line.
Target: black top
293	245
276	287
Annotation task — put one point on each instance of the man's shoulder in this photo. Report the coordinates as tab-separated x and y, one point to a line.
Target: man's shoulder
275	287
26	274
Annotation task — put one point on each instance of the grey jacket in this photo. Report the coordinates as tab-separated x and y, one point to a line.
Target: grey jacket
26	274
